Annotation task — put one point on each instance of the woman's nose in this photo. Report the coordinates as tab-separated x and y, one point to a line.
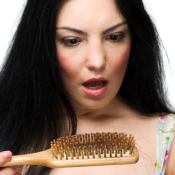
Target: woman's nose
95	57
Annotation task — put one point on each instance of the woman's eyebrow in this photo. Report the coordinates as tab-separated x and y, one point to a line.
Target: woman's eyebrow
84	33
113	27
73	30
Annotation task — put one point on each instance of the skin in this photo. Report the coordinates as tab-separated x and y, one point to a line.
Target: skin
8	170
98	54
94	54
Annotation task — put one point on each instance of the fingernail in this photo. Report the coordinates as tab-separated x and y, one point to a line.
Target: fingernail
7	154
19	171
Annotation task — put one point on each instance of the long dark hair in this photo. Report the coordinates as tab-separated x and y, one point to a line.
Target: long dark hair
143	87
34	101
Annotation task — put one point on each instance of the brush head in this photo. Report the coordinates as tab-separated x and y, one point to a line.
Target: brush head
95	149
93	146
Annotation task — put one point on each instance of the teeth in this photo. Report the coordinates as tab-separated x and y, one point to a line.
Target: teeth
96	87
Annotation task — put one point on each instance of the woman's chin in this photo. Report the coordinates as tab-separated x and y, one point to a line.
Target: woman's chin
92	105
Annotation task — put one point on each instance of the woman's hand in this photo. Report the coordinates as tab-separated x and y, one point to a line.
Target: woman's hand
5	157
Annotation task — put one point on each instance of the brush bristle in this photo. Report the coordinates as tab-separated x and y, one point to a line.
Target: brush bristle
94	145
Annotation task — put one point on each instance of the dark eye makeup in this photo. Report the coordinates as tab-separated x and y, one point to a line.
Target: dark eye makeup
116	37
70	42
74	41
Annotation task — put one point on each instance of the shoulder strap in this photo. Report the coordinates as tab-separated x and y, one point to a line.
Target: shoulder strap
165	137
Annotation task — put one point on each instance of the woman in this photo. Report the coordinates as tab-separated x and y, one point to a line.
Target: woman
84	66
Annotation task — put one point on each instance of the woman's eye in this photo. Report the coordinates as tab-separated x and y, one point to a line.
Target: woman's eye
115	37
71	42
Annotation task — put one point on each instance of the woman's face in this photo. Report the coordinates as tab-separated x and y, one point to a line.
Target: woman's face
93	45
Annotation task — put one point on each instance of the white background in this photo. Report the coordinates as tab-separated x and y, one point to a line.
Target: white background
162	13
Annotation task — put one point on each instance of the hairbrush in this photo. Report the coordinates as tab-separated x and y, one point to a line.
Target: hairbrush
92	149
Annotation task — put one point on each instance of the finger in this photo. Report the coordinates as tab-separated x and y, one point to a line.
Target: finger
5	157
10	171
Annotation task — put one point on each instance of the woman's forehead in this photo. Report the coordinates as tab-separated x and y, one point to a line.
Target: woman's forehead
86	14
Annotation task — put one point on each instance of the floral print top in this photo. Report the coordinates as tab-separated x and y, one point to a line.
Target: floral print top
165	137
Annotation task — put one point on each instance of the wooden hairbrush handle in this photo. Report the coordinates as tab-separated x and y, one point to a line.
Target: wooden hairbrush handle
45	158
95	149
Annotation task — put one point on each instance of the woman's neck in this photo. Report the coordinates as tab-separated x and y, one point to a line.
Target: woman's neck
115	109
103	119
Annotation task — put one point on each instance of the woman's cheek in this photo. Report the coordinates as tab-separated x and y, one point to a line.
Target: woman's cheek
68	68
121	60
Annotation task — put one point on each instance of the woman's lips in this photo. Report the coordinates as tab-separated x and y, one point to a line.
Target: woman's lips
95	86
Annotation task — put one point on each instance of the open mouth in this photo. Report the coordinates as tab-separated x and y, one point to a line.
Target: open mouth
94	85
